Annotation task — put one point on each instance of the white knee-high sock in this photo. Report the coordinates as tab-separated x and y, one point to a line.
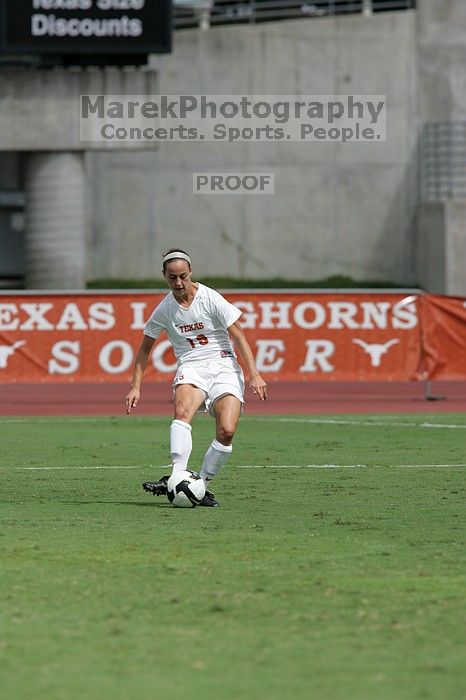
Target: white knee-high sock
214	459
181	444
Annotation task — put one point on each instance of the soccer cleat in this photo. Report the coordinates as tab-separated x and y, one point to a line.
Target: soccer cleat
157	488
209	500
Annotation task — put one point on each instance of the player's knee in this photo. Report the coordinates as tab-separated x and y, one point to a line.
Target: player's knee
225	434
182	413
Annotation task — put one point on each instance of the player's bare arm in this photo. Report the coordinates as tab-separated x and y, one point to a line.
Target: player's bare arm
256	382
140	363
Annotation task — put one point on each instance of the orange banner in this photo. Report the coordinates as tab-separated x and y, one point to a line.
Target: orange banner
92	337
443	323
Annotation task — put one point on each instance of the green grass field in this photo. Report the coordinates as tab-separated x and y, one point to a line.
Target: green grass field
334	583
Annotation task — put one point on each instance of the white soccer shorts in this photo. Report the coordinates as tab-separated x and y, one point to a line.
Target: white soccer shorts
216	378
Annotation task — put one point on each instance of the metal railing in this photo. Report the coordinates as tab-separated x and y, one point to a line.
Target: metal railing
204	13
443	161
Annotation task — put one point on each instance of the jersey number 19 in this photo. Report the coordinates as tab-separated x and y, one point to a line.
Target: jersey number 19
201	339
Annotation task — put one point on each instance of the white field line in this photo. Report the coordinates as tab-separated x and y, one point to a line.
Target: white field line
106	466
248	466
314	421
347	466
385	424
267	419
74	419
311	421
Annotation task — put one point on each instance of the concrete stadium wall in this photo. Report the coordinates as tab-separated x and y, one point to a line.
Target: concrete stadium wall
441	237
455	249
441	249
40	109
337	209
350	209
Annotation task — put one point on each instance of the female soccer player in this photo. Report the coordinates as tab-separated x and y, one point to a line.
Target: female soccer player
199	322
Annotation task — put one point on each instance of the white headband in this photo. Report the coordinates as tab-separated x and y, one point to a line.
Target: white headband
176	255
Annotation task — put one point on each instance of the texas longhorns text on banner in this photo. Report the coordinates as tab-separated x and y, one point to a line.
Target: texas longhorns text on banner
92	337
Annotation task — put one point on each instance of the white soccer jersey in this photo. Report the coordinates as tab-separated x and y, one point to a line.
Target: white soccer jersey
198	332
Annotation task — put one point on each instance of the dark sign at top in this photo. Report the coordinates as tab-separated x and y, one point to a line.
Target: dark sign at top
85	26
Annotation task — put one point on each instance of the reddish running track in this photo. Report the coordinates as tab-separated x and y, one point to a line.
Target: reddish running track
284	397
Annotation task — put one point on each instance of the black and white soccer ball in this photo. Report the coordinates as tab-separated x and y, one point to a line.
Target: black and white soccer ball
185	489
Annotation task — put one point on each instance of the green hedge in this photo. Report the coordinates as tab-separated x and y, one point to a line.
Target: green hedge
336	282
